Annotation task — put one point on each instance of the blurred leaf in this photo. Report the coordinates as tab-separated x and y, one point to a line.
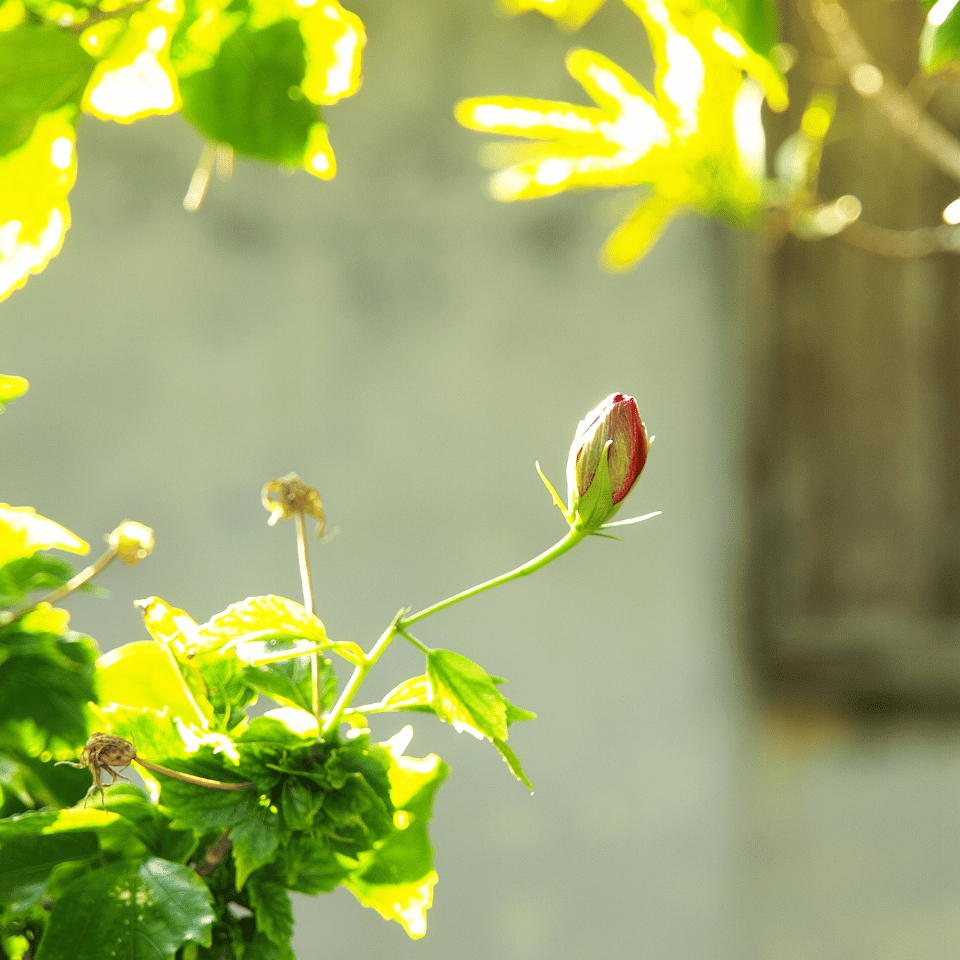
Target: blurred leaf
134	79
940	38
41	69
38	572
152	826
272	908
48	688
679	141
244	97
35	179
23	531
32	844
142	909
310	866
10	388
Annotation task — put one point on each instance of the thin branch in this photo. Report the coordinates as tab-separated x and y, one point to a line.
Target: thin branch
902	111
902	244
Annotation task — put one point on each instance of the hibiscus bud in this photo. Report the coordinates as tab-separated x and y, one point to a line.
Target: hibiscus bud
608	453
131	541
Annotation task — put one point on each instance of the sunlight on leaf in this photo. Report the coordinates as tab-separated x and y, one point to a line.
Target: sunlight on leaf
680	141
140	675
11	388
35	179
570	14
23	532
135	78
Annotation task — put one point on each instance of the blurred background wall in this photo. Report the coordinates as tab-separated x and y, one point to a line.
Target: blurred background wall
411	348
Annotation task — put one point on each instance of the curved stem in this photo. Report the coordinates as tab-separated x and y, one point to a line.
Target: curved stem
572	538
74	583
190	778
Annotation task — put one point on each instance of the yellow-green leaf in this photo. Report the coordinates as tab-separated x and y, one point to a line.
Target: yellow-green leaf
11	388
34	182
23	532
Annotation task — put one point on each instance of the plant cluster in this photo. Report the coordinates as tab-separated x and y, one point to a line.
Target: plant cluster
240	809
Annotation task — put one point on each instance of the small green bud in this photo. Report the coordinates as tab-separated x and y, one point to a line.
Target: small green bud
132	542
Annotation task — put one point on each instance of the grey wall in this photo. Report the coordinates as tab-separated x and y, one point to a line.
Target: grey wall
412	347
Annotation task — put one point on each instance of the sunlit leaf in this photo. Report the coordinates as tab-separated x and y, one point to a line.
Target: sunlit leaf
680	141
247	97
135	79
413	694
262	619
397	878
940	39
570	14
141	675
333	39
11	388
35	179
513	762
23	532
142	909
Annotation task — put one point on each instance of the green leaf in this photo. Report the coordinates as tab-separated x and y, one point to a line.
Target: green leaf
396	878
32	844
136	909
290	683
310	866
245	98
27	856
756	21
297	807
940	38
48	687
513	762
272	908
465	695
152	825
35	179
39	572
41	69
255	842
413	695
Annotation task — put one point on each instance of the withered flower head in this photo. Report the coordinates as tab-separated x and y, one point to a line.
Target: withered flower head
289	495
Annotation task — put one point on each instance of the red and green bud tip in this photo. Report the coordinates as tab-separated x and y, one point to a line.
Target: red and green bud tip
608	453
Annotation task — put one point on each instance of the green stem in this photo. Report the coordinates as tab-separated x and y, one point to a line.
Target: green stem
74	583
572	538
360	671
308	603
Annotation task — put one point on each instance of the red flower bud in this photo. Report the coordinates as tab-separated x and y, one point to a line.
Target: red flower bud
608	453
